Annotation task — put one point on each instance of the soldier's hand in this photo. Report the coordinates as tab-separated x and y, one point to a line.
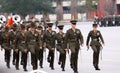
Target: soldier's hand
44	45
25	50
103	44
40	47
53	49
16	50
1	49
82	45
66	49
87	47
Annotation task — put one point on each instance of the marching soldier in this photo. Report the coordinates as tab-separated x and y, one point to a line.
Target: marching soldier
95	44
74	38
32	40
40	47
6	45
60	36
49	40
22	46
13	46
103	22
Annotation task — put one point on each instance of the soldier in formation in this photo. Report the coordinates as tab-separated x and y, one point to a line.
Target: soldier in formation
74	39
95	44
60	37
49	40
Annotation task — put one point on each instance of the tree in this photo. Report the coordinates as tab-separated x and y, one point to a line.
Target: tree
91	5
110	7
25	7
59	10
81	8
74	7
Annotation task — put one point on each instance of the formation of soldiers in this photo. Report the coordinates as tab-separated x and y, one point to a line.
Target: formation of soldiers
35	39
108	21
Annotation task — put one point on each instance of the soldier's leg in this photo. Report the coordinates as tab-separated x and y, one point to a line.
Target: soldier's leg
14	54
48	58
76	60
73	58
17	61
41	58
60	50
52	59
8	58
63	61
5	55
60	56
33	59
24	61
95	57
22	58
94	54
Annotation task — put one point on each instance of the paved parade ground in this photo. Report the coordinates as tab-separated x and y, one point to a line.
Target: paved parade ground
109	62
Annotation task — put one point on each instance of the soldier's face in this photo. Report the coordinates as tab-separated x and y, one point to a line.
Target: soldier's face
23	30
73	25
94	28
32	29
49	28
39	30
60	30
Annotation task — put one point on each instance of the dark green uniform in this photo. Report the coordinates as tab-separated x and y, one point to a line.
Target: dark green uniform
49	39
22	46
32	41
40	48
74	39
95	45
6	45
14	47
60	47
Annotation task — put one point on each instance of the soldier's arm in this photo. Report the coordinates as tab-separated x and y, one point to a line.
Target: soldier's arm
66	40
88	39
27	39
101	38
44	39
26	44
81	38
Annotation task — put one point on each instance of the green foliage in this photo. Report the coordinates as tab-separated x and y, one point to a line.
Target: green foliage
25	7
91	5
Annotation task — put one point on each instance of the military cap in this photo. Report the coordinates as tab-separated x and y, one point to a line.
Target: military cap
95	25
49	24
39	27
32	24
22	26
14	26
6	28
73	21
60	25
